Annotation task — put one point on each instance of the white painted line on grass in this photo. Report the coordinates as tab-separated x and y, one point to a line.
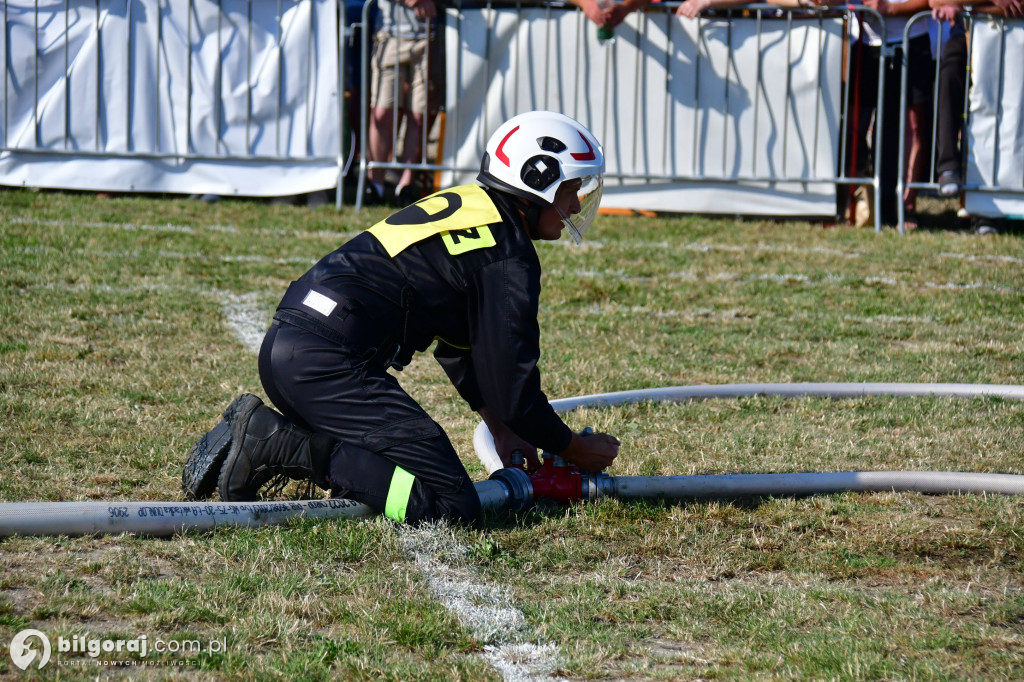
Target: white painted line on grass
660	246
247	317
483	609
729	314
697	247
115	226
727	277
190	256
984	258
753	248
256	258
523	662
339	237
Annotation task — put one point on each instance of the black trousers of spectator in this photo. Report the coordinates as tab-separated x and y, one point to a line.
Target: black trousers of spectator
342	392
950	116
921	75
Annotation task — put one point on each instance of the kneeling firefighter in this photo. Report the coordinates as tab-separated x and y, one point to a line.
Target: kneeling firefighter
458	266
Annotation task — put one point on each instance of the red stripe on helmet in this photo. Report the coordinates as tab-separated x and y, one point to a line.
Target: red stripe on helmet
583	156
502	156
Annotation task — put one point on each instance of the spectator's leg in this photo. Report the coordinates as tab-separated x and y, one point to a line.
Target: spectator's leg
412	152
380	143
415	119
887	158
952	83
920	97
916	151
863	97
867	111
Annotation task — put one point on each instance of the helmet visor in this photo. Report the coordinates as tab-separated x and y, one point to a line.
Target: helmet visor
589	197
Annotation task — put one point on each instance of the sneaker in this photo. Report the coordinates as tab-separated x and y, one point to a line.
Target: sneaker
949	183
404	196
985	226
202	466
371	197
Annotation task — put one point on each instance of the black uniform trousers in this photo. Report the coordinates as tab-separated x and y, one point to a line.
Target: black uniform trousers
347	393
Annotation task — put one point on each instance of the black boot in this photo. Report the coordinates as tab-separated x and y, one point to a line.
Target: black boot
264	445
202	466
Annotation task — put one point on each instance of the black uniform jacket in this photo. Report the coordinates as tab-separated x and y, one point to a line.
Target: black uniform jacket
433	271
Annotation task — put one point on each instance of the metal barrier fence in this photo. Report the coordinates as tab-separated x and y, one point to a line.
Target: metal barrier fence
496	48
790	150
981	167
235	97
199	96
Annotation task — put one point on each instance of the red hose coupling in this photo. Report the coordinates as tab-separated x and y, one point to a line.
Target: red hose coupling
557	480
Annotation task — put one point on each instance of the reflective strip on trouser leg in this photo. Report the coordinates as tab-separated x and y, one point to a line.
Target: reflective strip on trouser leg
398	494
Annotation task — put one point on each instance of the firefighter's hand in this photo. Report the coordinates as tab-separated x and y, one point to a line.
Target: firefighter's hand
506	442
592	452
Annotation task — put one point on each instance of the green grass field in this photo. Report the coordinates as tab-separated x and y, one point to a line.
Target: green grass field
129	323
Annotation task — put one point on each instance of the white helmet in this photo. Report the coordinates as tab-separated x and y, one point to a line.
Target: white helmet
532	154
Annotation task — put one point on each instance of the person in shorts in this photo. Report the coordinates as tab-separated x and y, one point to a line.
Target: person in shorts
407	73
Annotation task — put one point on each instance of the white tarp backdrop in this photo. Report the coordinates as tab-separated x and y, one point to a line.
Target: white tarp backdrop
237	97
996	129
682	104
198	96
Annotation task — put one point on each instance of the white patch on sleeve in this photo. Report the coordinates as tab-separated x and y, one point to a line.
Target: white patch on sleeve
319	303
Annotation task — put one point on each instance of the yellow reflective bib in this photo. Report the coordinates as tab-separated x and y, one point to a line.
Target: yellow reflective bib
460	214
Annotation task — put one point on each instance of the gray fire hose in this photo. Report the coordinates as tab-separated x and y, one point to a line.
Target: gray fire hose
483	443
751	485
512	488
161	518
167	518
595	485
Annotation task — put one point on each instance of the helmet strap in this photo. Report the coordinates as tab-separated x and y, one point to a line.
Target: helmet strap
532	213
530	210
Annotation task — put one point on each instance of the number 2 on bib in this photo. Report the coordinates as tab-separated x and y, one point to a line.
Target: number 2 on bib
461	241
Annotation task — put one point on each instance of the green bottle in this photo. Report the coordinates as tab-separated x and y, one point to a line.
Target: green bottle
605	34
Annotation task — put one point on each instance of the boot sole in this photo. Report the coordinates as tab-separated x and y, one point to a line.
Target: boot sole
202	466
243	406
